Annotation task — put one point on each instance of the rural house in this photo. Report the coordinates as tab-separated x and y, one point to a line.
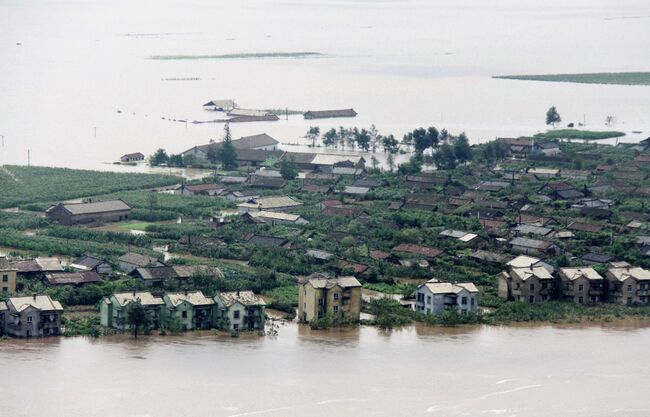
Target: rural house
130	261
92	263
89	213
240	311
628	285
320	295
113	310
34	316
7	278
132	157
434	297
532	284
581	285
192	310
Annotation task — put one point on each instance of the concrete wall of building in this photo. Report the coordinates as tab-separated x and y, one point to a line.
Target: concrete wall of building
7	282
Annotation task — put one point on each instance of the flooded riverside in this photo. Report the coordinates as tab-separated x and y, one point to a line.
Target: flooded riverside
524	371
76	78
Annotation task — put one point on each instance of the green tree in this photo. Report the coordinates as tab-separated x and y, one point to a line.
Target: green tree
445	158
227	152
374	162
462	150
330	138
375	138
362	139
176	160
390	144
152	199
213	153
391	162
413	166
553	117
159	158
288	169
136	317
313	134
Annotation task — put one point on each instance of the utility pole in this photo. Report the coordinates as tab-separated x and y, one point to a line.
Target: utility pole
95	127
3	140
28	158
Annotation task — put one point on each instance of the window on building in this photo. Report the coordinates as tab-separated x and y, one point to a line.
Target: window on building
580	287
335	309
5	289
531	299
428	299
629	288
29	319
581	300
320	314
420	297
463	301
544	285
532	287
320	301
336	296
518	286
5	278
235	314
235	327
184	314
629	300
471	301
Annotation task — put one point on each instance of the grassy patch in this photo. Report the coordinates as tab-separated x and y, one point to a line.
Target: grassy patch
252	55
579	134
618	78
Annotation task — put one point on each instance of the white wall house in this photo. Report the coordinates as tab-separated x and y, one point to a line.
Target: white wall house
434	297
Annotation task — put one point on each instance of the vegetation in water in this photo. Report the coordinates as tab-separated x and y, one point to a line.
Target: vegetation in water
251	55
579	134
619	78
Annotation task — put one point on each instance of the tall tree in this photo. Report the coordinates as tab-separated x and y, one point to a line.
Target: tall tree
391	162
136	317
444	157
159	158
462	150
330	138
390	144
288	169
375	138
362	139
213	153
313	134
374	162
553	117
227	152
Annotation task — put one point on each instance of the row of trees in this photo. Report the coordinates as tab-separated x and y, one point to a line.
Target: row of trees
223	153
353	138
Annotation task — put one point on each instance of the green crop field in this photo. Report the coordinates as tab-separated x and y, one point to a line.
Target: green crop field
23	185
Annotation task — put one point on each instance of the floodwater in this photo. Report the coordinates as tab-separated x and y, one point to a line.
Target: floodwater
68	67
465	371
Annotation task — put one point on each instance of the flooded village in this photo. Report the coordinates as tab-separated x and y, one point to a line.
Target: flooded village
324	208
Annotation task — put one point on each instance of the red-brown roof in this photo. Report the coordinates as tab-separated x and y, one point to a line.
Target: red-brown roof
418	250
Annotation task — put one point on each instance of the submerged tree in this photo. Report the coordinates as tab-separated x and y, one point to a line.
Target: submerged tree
136	317
462	150
362	139
391	162
330	138
553	117
159	158
313	134
390	144
227	152
213	153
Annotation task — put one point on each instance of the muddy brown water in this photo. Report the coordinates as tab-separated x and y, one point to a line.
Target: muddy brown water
541	370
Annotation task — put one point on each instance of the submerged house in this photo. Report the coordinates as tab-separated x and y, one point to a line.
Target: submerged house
113	310
320	295
240	311
532	284
434	297
246	143
34	316
132	157
326	114
88	213
192	310
581	285
628	285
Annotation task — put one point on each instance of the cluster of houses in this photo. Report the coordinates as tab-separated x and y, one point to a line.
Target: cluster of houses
532	280
34	316
190	310
238	114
